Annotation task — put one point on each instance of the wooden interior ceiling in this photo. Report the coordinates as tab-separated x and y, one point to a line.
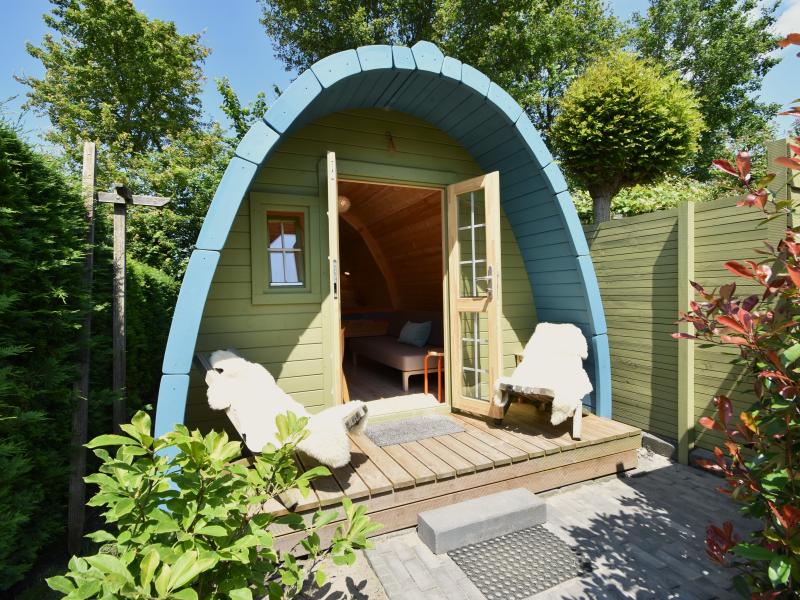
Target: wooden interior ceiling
402	228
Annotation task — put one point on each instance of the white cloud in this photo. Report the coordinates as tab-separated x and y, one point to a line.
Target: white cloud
789	19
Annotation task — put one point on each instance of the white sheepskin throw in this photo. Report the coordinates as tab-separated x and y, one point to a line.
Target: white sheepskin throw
553	359
249	395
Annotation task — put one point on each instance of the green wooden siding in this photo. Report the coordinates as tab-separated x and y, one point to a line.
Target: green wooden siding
288	338
636	261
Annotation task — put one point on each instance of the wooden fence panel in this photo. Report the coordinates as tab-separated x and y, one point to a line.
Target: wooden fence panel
725	232
637	263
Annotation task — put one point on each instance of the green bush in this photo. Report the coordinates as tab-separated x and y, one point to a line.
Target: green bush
182	519
42	228
151	299
41	264
641	199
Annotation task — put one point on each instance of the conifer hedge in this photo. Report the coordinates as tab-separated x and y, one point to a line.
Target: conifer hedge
42	243
41	256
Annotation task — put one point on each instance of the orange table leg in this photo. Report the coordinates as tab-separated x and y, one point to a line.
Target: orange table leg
439	379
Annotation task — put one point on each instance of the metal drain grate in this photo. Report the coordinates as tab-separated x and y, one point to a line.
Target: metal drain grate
517	565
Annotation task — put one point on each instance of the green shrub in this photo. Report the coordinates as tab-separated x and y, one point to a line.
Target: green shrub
189	527
41	263
641	199
759	456
42	228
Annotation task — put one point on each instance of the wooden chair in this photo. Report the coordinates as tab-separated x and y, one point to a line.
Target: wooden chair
542	398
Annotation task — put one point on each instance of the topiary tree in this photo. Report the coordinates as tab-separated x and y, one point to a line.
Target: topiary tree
625	121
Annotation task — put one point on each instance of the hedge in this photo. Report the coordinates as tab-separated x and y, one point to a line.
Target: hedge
42	230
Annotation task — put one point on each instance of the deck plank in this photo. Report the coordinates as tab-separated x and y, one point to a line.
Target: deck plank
440	468
352	485
513	451
496	456
327	488
533	438
399	477
531	450
622	428
368	472
595	426
476	458
461	465
403	513
417	469
593	432
557	436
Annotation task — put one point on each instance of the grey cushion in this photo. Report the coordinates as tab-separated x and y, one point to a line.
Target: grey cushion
401	317
386	350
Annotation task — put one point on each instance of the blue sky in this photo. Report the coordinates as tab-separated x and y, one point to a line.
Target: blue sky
241	50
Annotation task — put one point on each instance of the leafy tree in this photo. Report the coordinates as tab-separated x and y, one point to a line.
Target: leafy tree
242	117
115	76
721	48
186	169
303	31
532	48
132	84
625	121
41	263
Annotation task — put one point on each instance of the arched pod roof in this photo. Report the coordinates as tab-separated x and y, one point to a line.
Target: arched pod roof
465	104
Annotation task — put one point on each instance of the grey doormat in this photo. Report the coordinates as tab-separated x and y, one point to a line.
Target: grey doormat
519	564
411	430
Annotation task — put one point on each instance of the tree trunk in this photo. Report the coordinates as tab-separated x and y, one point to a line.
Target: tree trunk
601	205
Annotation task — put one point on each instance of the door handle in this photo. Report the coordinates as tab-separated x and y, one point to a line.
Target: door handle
335	280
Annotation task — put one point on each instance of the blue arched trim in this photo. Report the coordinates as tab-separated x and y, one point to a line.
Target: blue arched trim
474	111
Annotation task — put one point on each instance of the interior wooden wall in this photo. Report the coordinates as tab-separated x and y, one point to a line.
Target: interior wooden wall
364	287
402	228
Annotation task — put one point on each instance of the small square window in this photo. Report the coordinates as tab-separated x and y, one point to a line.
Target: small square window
285	247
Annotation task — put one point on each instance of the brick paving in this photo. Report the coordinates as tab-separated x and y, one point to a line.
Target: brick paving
643	533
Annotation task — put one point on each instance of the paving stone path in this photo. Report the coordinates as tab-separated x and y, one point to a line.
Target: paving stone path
643	534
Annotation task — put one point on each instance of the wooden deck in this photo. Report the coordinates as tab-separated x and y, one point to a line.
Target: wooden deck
397	482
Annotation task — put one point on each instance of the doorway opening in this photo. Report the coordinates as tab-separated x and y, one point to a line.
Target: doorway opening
391	253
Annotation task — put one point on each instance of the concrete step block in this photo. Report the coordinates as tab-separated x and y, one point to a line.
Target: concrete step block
450	527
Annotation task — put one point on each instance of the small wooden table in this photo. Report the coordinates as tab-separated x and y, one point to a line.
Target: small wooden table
439	355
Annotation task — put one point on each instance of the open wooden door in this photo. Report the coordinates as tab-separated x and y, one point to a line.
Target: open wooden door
475	295
336	341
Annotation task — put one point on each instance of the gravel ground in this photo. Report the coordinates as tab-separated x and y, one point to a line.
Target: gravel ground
358	582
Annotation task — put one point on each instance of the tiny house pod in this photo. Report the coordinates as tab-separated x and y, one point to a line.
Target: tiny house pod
386	185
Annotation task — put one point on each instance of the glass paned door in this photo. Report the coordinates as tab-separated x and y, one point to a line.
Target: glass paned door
473	221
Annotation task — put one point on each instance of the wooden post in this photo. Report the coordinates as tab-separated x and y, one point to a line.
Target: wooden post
120	198
118	317
685	347
80	414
